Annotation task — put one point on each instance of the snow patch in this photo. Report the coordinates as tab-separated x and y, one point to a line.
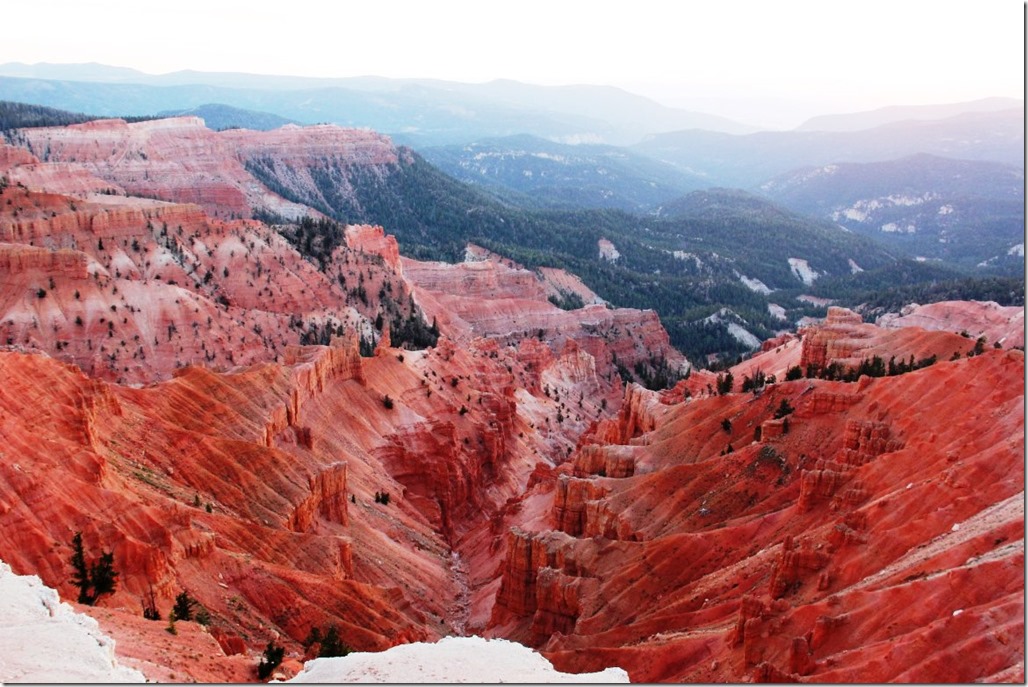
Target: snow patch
684	255
755	285
608	251
45	640
814	300
851	214
893	228
854	267
802	271
862	210
450	660
737	331
743	336
550	156
908	201
1017	250
945	209
776	311
579	139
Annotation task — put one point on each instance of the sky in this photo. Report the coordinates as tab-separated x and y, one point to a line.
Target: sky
769	62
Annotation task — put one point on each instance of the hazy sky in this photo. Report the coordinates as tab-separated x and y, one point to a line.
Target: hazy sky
771	62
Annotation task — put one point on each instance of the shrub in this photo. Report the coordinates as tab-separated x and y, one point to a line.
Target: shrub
331	645
150	611
183	608
783	409
273	654
725	383
387	402
93	580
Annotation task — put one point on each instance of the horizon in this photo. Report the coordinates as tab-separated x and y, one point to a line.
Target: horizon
769	65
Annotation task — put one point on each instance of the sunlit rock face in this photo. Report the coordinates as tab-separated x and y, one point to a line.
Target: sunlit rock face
825	544
162	395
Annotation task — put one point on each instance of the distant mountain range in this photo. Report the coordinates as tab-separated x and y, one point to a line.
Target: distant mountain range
886	115
533	172
220	117
420	112
967	213
748	160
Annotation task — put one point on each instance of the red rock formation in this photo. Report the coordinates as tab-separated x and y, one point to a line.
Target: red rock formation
133	289
847	533
180	160
845	339
509	304
875	533
1002	325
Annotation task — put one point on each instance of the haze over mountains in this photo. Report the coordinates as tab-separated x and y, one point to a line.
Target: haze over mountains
418	112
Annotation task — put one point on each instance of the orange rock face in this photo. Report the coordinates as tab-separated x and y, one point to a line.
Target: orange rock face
158	397
999	325
861	542
182	161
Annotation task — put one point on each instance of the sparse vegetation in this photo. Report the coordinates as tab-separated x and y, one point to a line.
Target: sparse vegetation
725	382
184	605
95	579
784	408
272	658
329	644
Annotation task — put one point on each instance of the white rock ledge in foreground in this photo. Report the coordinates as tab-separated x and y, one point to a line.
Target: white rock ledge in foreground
43	639
450	660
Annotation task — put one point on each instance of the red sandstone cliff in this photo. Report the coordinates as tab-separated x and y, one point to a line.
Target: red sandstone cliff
182	161
873	533
999	325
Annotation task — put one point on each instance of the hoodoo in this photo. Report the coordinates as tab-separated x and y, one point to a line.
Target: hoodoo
281	430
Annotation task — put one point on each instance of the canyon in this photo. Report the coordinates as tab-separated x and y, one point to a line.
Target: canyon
226	415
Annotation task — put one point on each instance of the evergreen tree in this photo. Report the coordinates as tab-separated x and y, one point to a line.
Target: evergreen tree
273	654
95	579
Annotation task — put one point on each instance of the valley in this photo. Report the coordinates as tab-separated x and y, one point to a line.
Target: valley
312	382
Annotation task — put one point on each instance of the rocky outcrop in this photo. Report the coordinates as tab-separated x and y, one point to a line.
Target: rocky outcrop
604	461
327	499
369	239
527	555
864	441
506	303
845	339
790	546
796	563
998	324
573	499
543	587
180	160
